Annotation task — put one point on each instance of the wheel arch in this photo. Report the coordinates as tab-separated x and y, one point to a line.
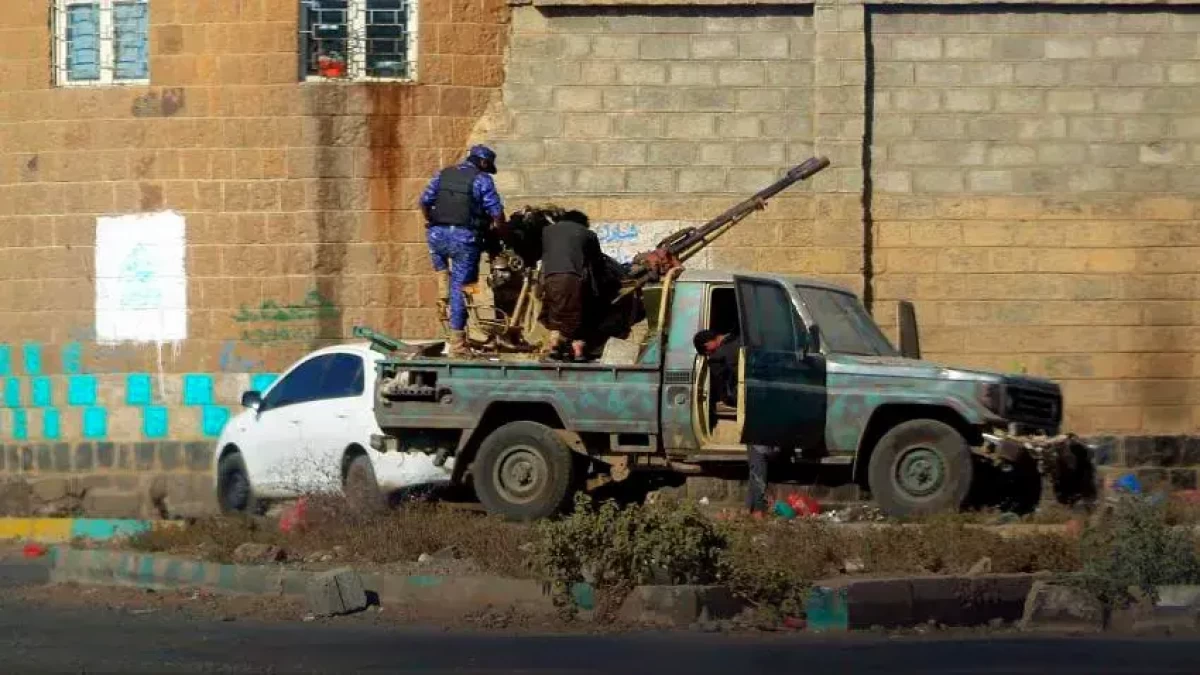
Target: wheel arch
352	452
889	415
497	415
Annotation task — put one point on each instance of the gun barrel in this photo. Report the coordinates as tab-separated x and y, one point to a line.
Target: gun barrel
680	246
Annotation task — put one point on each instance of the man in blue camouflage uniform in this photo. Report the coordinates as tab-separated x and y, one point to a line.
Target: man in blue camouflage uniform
459	203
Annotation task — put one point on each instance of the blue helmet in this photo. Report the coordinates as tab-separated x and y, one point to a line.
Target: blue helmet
483	153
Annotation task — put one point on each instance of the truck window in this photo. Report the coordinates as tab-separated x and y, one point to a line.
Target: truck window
771	320
846	327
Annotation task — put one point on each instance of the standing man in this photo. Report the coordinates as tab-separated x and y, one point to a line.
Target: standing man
721	350
570	256
459	204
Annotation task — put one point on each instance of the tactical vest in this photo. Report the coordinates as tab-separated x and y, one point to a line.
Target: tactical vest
455	196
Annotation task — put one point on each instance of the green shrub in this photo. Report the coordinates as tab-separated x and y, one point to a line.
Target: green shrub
1135	548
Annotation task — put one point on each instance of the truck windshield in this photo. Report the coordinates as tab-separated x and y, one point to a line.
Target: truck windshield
846	328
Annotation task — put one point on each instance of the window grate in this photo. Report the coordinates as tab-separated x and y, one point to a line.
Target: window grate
358	39
101	42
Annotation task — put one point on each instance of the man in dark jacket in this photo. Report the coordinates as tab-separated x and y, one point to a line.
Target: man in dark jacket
571	255
459	203
722	352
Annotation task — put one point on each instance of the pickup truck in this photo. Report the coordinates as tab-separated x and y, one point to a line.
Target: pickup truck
817	377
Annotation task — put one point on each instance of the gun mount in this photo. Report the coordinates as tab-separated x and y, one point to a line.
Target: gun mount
511	323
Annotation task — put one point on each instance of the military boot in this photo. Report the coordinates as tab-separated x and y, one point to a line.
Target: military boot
552	343
456	345
443	293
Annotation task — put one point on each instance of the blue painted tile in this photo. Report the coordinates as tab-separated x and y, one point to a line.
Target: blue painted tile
95	423
41	392
31	353
81	390
51	424
214	420
20	425
261	381
197	389
139	389
72	358
12	392
155	422
5	360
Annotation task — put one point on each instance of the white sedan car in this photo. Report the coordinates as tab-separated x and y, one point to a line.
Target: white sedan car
310	432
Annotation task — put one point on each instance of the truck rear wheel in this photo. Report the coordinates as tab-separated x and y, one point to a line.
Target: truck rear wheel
920	467
524	472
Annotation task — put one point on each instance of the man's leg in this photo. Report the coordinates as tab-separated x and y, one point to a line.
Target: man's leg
756	492
464	270
439	255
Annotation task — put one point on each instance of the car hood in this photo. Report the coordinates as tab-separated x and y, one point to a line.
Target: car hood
899	366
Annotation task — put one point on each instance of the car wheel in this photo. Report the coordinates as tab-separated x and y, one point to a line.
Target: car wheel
524	472
234	491
920	467
361	488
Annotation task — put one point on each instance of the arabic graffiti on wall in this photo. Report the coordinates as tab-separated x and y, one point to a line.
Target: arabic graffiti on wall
624	240
297	322
141	285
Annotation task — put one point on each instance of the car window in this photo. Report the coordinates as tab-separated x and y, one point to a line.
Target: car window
769	320
301	385
344	377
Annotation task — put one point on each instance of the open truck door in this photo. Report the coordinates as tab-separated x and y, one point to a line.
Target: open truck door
782	383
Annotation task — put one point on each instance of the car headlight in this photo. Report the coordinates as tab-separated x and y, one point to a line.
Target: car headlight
991	395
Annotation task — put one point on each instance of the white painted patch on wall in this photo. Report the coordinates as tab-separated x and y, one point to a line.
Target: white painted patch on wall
624	240
141	284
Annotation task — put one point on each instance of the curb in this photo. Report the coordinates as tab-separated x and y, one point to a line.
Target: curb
62	530
430	595
839	605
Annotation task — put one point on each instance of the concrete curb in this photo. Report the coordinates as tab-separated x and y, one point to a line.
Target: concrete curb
855	604
62	530
428	595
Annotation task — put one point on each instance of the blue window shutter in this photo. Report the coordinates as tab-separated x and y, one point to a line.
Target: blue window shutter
83	42
131	40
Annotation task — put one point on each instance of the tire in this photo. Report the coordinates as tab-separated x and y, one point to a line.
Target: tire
920	467
235	494
361	488
524	471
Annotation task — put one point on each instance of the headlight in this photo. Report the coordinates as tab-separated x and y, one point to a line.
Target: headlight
991	395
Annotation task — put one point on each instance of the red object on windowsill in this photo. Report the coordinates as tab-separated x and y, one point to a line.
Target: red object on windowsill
331	67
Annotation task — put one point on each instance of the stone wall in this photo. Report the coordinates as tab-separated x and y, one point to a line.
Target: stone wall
298	200
1034	180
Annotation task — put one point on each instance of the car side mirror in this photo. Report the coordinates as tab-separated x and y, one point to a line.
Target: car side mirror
252	400
814	338
910	340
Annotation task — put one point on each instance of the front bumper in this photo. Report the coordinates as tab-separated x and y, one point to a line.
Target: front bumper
1056	456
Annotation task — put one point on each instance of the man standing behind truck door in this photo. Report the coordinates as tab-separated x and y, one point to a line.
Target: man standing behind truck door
458	204
722	354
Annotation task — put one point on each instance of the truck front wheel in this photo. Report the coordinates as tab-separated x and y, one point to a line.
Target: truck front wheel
920	467
524	471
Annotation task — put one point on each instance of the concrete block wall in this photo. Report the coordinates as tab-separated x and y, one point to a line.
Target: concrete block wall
670	115
1034	175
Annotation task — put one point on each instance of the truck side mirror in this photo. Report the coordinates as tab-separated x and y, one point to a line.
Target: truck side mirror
814	338
910	341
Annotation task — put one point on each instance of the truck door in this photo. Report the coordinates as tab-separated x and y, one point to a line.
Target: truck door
782	389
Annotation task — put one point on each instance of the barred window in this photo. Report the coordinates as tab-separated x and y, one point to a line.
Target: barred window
358	39
99	42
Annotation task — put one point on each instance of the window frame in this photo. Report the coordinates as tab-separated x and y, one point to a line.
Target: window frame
356	25
107	37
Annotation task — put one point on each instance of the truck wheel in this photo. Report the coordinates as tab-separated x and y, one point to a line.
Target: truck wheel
234	491
361	488
524	472
920	467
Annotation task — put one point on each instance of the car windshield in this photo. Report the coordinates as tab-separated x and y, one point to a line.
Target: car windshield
846	328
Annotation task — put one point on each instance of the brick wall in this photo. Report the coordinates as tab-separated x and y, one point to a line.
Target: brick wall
1034	175
668	116
299	200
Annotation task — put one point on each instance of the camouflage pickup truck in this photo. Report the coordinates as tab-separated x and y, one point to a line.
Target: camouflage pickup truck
817	377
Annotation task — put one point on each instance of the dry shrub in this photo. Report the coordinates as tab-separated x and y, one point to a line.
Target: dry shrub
774	564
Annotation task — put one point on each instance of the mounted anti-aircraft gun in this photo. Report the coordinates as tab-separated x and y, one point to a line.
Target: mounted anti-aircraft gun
511	322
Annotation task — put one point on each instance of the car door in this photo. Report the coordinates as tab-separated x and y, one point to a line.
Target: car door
782	388
274	438
336	419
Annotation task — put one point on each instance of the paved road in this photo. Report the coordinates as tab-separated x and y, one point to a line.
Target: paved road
58	640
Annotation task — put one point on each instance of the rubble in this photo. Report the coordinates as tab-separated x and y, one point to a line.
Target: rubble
251	553
336	592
